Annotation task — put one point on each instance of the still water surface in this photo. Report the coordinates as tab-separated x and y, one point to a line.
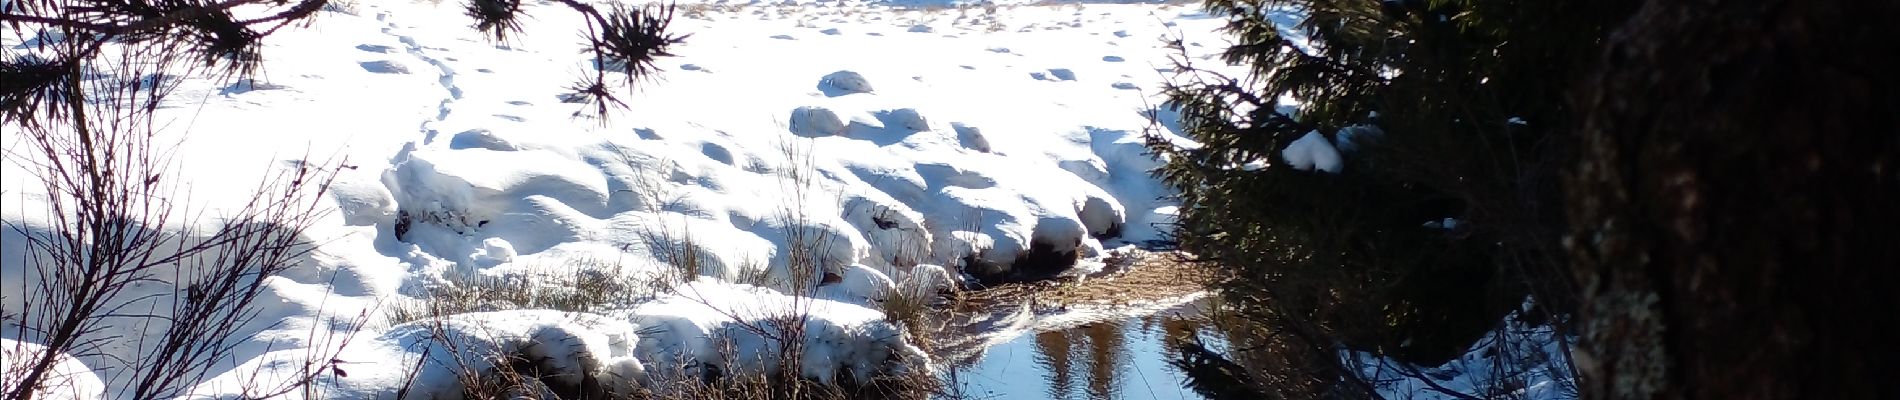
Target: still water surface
1125	358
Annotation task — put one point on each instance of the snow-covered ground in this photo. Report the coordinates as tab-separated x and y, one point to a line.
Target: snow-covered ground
1519	360
903	136
898	134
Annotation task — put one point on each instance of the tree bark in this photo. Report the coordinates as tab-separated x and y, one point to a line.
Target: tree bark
1735	209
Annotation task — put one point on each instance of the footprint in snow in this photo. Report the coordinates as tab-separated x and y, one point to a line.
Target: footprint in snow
480	139
694	67
1121	34
970	137
1112	59
375	48
830	31
920	29
1055	74
519	103
1125	86
783	37
247	86
716	152
384	67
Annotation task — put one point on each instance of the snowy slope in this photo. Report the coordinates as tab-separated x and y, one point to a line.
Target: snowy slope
918	136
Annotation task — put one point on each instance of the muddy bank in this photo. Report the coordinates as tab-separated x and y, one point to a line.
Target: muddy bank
1132	285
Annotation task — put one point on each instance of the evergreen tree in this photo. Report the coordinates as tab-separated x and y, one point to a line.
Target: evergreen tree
1721	229
1444	214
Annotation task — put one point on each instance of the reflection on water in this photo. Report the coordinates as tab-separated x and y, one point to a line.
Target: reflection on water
1120	358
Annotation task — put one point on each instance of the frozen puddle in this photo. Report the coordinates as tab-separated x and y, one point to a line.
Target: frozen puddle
1113	359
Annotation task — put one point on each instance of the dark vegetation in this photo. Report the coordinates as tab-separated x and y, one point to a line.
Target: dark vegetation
1695	190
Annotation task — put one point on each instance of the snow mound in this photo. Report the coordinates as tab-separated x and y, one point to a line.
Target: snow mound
906	118
570	351
68	379
1530	357
841	339
972	138
364	203
708	326
927	280
859	284
1102	217
816	122
1312	152
844	82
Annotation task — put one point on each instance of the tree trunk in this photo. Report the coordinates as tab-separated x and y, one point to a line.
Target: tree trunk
1736	205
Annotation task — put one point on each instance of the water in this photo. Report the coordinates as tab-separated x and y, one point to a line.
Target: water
1121	358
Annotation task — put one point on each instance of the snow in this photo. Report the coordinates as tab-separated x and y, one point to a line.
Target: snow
671	338
844	82
1446	224
68	379
841	338
926	279
860	285
1312	152
1516	360
1350	138
816	122
458	156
